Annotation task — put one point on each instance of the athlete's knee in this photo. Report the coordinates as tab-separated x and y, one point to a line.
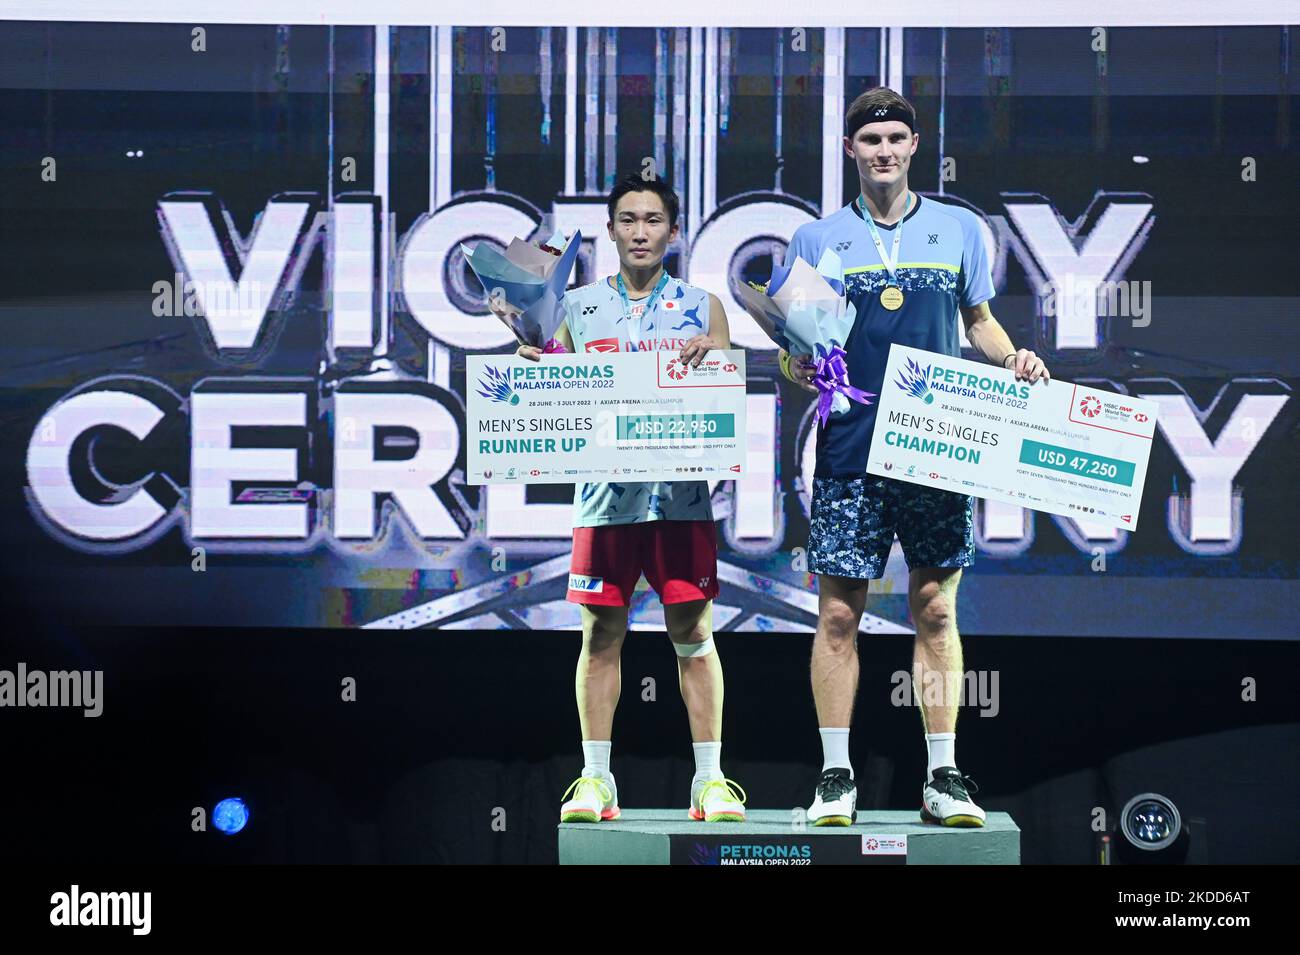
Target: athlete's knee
603	628
693	649
690	628
690	622
837	626
933	611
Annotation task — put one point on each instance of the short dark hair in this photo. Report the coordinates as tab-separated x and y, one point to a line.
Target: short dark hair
634	183
860	110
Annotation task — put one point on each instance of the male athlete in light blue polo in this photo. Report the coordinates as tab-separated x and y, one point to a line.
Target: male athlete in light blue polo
911	267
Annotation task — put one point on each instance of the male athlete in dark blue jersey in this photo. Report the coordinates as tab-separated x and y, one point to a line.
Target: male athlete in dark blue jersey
911	267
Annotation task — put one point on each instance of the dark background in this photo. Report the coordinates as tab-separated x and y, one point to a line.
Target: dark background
447	728
450	725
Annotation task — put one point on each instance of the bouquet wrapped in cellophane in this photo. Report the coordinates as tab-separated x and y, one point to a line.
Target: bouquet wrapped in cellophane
530	279
805	311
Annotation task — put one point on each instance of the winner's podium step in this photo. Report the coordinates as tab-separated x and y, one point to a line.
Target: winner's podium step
770	837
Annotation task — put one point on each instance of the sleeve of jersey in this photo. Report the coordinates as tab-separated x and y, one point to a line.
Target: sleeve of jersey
799	246
566	312
977	279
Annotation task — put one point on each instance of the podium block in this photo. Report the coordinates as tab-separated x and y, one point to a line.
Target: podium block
770	837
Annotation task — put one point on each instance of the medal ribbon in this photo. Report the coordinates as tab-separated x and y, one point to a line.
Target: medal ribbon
891	261
635	336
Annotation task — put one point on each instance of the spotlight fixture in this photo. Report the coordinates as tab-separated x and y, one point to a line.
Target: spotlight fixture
1151	832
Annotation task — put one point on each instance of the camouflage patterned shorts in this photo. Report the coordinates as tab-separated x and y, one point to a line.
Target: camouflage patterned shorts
854	521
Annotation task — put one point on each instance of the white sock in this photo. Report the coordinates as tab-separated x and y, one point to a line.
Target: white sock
708	761
835	748
942	748
595	757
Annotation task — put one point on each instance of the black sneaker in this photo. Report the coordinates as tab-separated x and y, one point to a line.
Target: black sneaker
837	799
945	800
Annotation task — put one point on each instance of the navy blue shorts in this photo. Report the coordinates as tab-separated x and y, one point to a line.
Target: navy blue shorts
854	521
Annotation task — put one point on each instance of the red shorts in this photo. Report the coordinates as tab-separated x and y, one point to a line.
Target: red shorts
679	558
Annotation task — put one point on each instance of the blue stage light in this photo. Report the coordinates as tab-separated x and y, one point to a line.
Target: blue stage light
230	815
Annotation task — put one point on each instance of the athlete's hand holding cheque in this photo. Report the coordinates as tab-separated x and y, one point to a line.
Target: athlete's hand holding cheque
695	349
1028	366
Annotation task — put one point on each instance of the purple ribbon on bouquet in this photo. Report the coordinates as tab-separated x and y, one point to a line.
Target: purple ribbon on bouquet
832	377
552	347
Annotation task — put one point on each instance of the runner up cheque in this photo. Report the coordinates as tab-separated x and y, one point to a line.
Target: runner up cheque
605	416
974	429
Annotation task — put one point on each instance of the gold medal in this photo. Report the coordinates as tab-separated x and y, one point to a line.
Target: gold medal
891	296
